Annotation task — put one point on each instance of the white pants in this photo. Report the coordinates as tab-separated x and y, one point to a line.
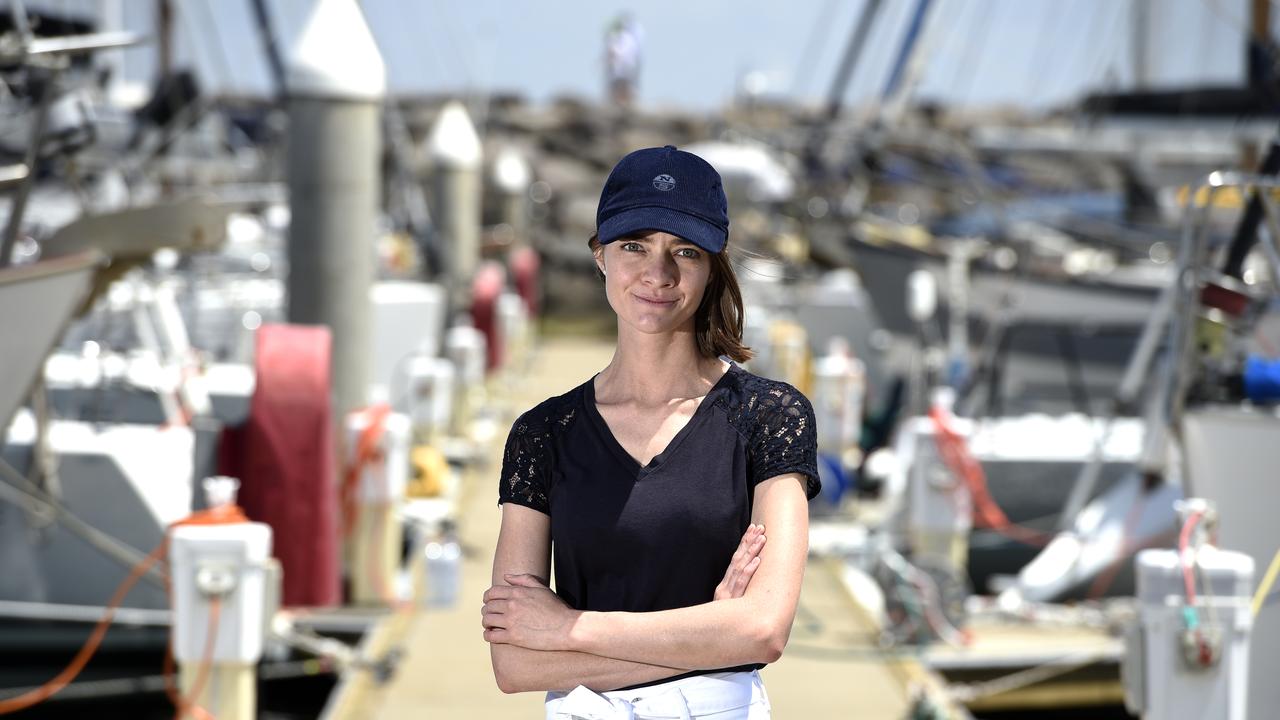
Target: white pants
718	696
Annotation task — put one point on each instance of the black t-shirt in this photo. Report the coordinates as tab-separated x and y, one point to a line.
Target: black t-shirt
640	539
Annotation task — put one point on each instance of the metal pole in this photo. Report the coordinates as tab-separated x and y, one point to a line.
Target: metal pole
270	47
1258	45
336	88
164	30
1141	38
456	160
1246	234
19	206
905	52
849	62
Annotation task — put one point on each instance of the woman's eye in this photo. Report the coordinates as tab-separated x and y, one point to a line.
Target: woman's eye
688	252
631	246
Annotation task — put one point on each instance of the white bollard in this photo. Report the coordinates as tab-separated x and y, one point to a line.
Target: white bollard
789	353
455	157
431	397
373	545
838	389
442	555
513	327
940	514
465	346
511	178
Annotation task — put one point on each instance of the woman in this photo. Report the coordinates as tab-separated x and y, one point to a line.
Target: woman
653	477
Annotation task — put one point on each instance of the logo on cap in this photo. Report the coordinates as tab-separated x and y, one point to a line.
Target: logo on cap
664	182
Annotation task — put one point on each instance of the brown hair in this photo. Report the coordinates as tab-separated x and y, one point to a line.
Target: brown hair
718	322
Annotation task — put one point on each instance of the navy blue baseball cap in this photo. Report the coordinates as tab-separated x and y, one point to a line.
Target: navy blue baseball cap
664	189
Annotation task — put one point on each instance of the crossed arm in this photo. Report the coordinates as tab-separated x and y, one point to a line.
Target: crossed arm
539	643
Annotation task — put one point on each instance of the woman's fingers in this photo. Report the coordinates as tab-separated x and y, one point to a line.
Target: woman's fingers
525	580
500	592
753	531
493	614
517	582
743	579
738	575
744	545
750	552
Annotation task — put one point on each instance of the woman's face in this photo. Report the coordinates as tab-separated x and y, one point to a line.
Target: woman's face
654	281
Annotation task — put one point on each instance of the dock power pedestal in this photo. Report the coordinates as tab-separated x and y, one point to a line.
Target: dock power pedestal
225	591
1186	657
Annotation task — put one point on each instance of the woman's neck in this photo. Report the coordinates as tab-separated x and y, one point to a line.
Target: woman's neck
657	368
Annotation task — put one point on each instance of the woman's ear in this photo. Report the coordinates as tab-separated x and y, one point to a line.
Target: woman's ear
599	255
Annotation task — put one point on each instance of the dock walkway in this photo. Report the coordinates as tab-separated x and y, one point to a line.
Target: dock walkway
830	669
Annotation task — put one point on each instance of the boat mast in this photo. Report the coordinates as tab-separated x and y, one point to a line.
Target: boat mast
270	47
1141	39
1259	49
1261	79
840	85
849	62
906	54
164	33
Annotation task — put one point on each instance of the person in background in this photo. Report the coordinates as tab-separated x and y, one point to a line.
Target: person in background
653	483
622	43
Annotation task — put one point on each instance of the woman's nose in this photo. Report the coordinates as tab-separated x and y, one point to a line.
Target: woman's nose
661	270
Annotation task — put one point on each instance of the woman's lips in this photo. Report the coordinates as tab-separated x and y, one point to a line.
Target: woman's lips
652	301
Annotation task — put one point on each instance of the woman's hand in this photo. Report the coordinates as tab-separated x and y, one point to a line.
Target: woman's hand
528	614
742	565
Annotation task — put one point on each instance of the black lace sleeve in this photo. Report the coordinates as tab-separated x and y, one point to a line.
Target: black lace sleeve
526	464
782	437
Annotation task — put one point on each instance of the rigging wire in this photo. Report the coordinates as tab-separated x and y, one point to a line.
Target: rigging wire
1203	46
1080	51
464	59
82	657
219	51
876	57
1029	676
974	55
1236	22
38	499
1104	62
1049	23
814	48
116	687
965	20
415	18
1264	587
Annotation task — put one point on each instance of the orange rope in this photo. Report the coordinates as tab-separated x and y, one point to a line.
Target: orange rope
954	450
374	567
190	703
366	453
212	516
82	657
1128	544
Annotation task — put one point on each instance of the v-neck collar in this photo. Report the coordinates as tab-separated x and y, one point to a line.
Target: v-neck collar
611	440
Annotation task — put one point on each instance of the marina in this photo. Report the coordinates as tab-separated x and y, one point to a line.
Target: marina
259	355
